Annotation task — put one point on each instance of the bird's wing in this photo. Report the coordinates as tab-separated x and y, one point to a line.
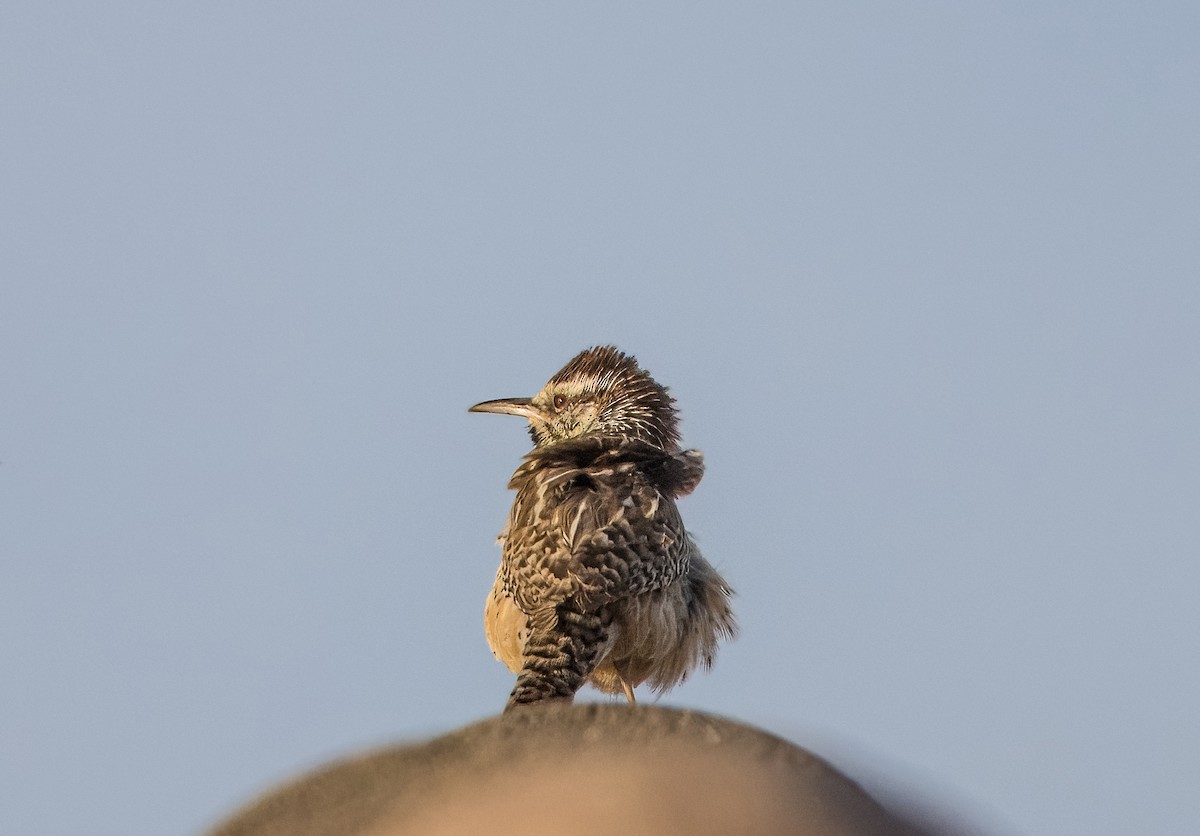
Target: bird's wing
637	545
677	474
594	532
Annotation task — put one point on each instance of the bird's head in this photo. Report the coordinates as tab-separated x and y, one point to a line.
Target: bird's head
600	392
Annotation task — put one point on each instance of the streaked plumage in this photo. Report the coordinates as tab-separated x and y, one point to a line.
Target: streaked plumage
599	580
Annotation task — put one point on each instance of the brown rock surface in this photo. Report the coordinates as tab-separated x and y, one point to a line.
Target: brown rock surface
575	769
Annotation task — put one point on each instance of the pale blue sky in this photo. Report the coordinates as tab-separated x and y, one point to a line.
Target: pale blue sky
924	277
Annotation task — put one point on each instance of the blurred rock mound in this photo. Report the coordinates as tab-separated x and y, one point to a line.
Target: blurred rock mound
576	769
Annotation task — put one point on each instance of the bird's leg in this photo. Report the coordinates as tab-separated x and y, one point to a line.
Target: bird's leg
628	690
559	657
627	685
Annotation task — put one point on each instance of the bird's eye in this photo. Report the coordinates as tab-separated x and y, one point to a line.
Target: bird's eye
559	402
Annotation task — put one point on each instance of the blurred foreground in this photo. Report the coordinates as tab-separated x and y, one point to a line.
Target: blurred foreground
579	769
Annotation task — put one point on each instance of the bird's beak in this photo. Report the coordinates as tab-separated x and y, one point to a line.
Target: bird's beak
509	406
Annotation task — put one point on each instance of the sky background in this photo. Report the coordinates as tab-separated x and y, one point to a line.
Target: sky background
923	276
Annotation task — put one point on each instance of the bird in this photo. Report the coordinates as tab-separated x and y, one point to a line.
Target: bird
599	582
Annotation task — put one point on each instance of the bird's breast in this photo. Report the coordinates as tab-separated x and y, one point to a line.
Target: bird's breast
505	626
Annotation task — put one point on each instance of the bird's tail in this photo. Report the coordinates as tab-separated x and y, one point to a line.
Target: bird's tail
560	655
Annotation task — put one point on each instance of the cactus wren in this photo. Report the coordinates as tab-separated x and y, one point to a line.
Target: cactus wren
599	580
